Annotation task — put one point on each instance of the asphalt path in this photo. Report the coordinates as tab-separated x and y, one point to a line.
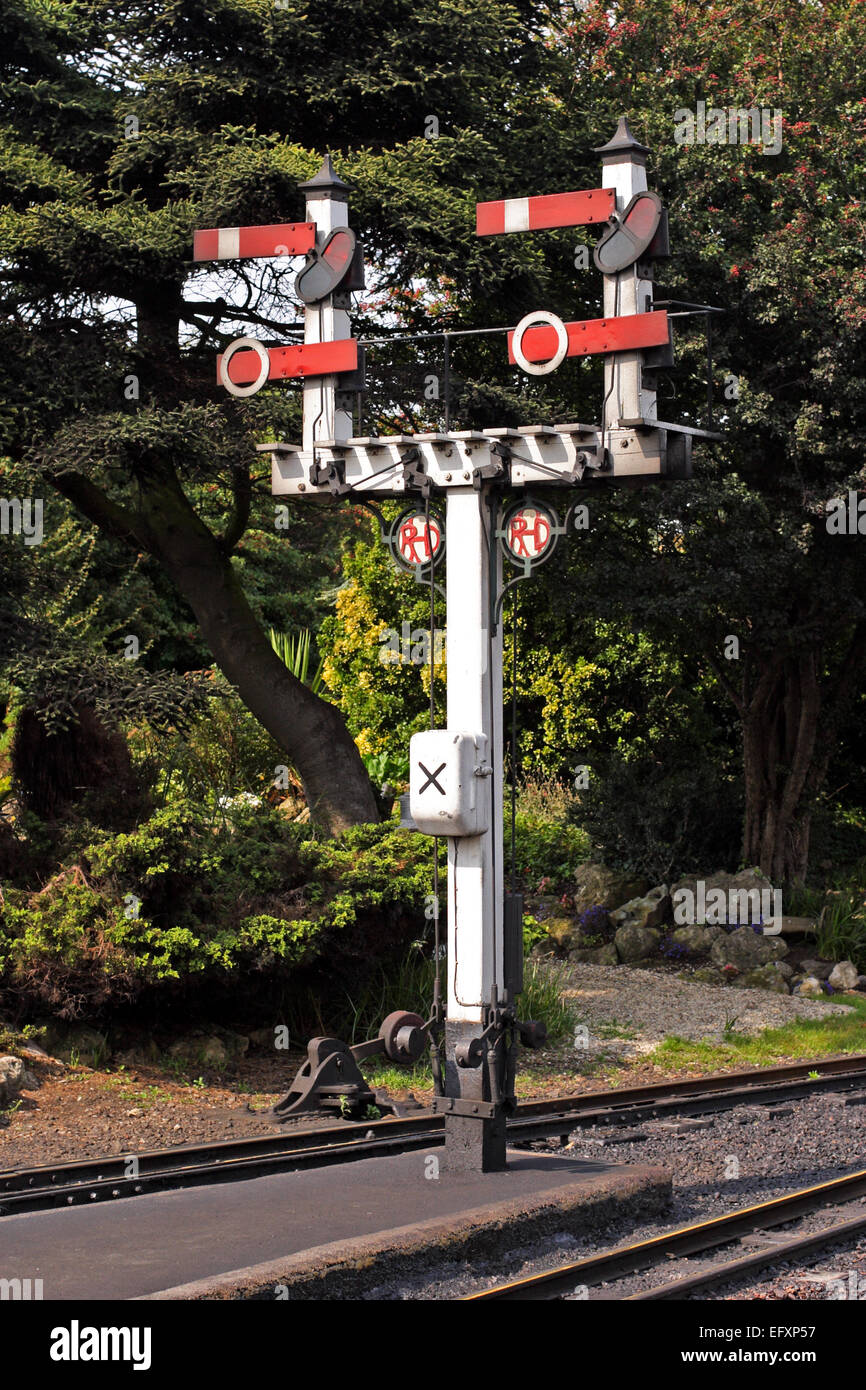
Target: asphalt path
140	1245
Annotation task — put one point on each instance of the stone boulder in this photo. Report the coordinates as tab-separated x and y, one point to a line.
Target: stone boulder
199	1047
844	975
598	886
819	968
211	1049
810	988
635	943
562	931
648	911
697	938
82	1046
595	955
707	975
745	878
745	881
765	977
13	1078
747	949
213	1052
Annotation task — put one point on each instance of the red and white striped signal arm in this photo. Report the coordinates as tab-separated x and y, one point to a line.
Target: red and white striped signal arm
237	243
576	209
298	359
588	336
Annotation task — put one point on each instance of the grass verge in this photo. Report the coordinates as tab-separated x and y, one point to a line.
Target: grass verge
802	1038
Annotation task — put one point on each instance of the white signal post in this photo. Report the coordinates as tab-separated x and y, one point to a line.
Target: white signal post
624	170
476	954
327	320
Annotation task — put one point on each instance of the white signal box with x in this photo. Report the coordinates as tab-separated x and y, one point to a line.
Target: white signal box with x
449	782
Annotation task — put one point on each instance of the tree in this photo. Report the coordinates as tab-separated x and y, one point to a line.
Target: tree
124	129
227	104
777	239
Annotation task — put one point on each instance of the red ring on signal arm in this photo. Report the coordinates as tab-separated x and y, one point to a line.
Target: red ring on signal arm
528	321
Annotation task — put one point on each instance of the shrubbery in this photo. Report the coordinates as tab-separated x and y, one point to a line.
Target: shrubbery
185	904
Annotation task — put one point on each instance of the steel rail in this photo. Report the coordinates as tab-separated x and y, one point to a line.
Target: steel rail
83	1181
622	1260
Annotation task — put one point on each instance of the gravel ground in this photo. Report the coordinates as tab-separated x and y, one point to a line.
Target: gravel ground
655	1005
741	1157
837	1275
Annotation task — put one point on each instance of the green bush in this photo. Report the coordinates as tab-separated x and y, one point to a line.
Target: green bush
188	901
546	853
220	754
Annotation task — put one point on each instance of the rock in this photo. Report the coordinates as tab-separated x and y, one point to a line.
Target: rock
810	988
648	911
688	899
598	886
595	955
747	949
819	968
29	1082
213	1052
844	975
705	976
745	878
636	943
235	1044
561	931
82	1046
263	1037
210	1049
861	981
765	977
12	1075
697	938
784	968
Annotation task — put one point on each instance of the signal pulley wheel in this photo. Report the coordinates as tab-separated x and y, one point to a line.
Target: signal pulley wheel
402	1034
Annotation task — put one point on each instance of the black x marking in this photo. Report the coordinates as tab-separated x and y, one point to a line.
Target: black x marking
431	777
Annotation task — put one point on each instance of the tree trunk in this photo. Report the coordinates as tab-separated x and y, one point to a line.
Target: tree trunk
313	732
780	740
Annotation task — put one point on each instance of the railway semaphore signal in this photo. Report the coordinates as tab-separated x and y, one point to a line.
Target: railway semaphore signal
486	476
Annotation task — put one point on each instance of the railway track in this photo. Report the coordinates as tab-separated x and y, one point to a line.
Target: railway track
85	1181
699	1238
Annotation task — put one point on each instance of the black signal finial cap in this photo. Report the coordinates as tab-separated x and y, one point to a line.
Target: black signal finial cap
327	182
623	145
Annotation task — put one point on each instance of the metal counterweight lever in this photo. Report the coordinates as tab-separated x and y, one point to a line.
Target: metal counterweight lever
469	1054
